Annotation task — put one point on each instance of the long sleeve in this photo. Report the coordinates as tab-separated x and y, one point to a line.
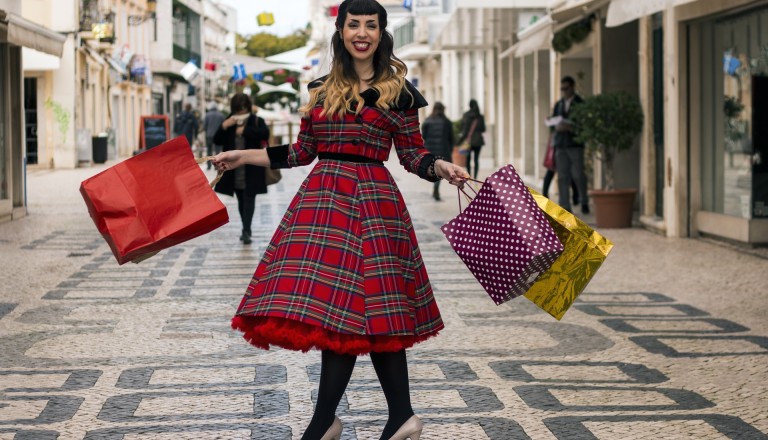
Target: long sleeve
303	152
410	147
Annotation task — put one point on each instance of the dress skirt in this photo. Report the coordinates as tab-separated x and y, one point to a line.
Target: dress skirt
343	271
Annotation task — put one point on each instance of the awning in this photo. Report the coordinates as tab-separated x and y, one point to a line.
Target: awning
93	55
537	36
20	32
624	11
570	11
294	59
33	60
265	88
116	66
252	64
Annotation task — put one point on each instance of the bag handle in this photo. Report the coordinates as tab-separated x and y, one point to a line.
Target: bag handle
220	173
460	190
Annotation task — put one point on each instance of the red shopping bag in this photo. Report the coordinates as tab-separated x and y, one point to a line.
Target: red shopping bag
549	157
503	237
153	201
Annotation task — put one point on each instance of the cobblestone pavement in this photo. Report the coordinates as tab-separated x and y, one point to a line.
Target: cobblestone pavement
670	341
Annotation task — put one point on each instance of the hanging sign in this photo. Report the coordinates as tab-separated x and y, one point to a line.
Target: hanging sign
265	19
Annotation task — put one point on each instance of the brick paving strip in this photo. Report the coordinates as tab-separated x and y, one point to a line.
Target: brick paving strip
670	340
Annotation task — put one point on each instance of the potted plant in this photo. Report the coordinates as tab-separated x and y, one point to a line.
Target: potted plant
608	124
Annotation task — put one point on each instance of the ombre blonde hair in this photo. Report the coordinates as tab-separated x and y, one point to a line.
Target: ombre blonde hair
339	93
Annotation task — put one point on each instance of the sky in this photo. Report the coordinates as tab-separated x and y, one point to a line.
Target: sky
290	15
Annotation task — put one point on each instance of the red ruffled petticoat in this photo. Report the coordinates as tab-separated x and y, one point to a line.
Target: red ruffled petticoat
294	335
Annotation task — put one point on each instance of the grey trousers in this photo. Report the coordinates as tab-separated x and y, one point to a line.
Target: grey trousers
569	163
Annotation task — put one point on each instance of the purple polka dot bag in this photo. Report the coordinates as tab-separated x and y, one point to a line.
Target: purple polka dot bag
503	237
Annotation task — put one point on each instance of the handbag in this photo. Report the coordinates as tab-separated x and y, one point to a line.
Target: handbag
549	156
503	237
152	201
584	251
465	146
272	176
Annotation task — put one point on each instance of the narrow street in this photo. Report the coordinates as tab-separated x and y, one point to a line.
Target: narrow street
670	340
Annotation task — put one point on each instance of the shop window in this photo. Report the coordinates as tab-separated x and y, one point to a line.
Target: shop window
734	57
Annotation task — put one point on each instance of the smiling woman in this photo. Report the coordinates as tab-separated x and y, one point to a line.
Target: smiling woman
343	272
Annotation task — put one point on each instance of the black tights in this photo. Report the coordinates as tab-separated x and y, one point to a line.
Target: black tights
335	372
474	151
246	205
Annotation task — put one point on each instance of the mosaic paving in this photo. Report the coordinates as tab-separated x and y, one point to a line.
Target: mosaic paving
145	351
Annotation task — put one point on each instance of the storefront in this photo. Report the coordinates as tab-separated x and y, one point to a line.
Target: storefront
728	107
15	33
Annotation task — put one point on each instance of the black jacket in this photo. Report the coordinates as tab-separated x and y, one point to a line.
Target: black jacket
256	133
437	132
564	139
477	139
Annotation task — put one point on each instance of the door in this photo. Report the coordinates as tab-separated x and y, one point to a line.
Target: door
658	111
30	119
760	147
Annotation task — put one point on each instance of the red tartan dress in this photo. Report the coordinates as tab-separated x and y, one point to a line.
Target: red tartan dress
343	270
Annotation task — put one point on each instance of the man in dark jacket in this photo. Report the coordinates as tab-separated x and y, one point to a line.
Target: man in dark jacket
186	124
569	154
211	123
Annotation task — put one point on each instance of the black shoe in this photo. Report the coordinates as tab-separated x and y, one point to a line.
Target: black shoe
246	238
436	196
576	201
585	209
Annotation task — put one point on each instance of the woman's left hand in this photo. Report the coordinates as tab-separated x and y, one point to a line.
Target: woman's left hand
454	174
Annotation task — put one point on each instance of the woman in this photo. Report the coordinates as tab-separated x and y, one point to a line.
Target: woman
437	132
343	272
472	128
243	130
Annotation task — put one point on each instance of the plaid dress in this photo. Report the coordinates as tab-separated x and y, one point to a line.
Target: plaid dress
343	270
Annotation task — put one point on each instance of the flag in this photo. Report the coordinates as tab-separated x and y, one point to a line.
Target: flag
239	72
408	4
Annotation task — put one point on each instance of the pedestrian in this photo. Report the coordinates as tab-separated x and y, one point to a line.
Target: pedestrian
186	124
549	176
243	130
472	129
343	272
549	164
211	123
569	154
437	131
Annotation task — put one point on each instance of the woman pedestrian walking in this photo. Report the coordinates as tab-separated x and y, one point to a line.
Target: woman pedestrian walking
472	129
437	131
243	130
343	272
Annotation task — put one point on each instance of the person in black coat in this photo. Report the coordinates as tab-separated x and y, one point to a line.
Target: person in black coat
242	130
437	131
473	127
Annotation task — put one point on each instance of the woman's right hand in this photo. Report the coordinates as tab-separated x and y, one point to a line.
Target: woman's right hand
229	160
229	122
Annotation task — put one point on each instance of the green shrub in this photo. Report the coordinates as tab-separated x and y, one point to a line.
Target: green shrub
607	124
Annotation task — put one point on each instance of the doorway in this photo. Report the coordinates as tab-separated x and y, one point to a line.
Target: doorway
30	119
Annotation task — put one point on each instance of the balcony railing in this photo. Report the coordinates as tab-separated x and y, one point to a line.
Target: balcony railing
184	55
404	34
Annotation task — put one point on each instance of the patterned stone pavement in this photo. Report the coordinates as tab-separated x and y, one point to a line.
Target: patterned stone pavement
670	341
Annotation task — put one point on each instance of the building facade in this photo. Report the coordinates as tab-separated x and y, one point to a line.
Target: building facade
17	35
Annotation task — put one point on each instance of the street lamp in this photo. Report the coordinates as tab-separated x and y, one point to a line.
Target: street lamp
136	20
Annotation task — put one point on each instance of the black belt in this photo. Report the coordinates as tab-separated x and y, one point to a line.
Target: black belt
349	158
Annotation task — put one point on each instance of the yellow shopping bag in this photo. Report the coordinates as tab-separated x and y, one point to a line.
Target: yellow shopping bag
585	250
